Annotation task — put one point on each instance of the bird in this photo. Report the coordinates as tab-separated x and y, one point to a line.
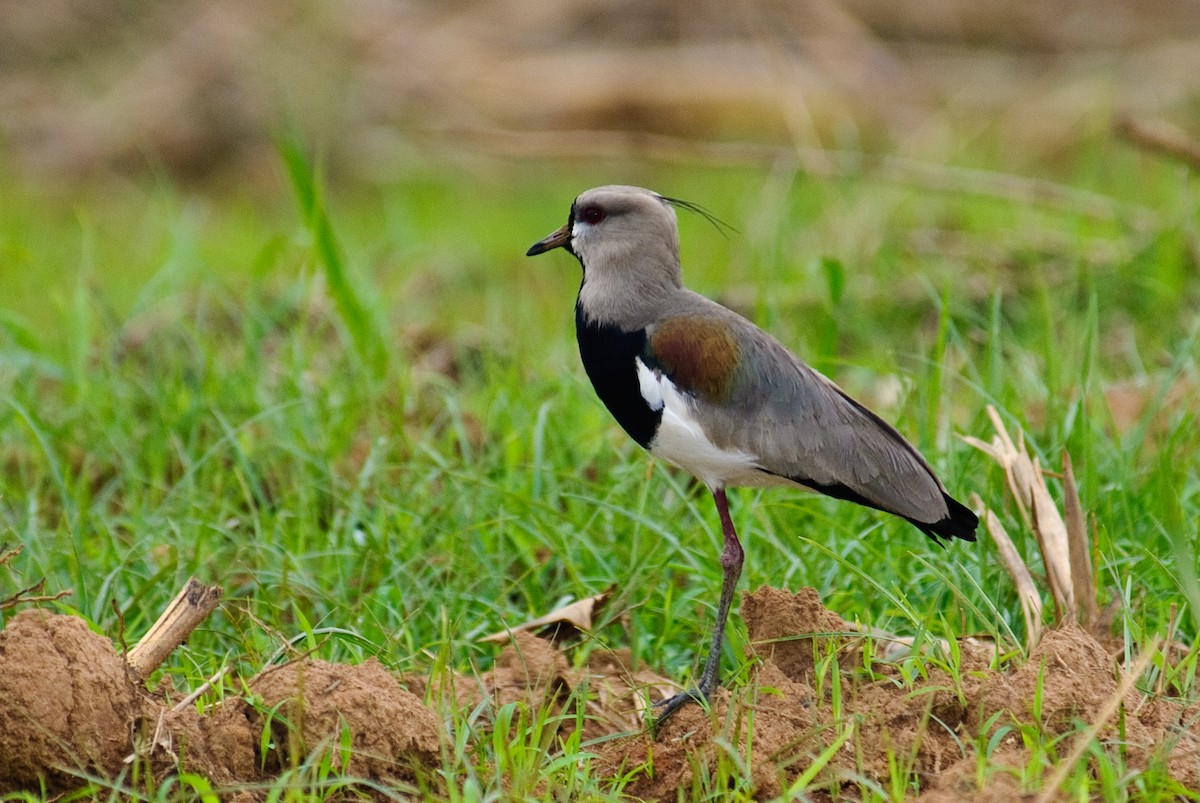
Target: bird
704	389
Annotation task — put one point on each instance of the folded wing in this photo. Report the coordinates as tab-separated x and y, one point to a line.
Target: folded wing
760	398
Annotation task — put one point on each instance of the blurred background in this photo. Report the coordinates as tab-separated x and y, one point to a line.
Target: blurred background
198	91
942	204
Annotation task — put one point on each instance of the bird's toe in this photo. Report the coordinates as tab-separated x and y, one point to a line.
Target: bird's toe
666	707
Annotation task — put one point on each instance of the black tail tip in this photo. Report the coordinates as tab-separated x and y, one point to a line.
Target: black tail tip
961	523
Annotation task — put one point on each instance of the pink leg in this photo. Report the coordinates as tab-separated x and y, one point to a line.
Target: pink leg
731	568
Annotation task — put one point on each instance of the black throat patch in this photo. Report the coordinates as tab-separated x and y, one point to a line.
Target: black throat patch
609	356
567	246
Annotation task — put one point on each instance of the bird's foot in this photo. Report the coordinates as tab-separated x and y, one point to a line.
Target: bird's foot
663	709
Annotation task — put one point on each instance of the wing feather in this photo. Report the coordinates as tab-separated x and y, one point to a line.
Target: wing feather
760	398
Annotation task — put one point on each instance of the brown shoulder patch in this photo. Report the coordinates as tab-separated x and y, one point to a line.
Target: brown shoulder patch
699	355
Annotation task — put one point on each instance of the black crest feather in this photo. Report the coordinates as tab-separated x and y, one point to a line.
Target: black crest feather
718	224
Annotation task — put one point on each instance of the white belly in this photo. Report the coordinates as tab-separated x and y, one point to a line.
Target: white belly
681	440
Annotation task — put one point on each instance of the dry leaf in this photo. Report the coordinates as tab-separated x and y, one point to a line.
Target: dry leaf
1051	534
1028	486
578	616
1031	600
1081	558
891	647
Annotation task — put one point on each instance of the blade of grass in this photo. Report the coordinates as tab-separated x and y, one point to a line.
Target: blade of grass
805	778
355	315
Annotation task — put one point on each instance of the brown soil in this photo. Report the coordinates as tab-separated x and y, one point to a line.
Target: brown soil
391	729
68	706
65	701
932	725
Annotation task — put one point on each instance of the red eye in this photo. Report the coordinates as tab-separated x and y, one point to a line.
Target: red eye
592	215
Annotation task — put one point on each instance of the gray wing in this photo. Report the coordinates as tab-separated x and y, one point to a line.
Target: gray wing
803	427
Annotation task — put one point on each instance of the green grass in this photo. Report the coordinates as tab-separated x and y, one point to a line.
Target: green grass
234	388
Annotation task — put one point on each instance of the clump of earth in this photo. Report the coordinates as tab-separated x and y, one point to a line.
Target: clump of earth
69	707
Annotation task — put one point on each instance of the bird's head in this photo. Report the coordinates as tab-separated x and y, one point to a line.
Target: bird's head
613	222
627	240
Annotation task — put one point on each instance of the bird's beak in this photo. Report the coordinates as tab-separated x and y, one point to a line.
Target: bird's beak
556	240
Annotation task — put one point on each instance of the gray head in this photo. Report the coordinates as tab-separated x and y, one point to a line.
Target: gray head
627	240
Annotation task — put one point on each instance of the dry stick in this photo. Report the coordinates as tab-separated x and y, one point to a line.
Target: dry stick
143	750
191	605
25	595
201	689
1082	577
1028	486
7	554
32	595
120	625
1161	137
1018	471
1027	593
815	161
1050	788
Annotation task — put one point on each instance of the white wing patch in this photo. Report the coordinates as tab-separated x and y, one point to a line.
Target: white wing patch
681	440
648	384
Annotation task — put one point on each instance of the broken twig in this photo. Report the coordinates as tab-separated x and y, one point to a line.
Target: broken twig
191	605
34	593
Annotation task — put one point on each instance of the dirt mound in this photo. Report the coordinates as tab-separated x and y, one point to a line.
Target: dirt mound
69	705
390	729
818	705
792	703
800	702
221	744
535	672
65	701
782	624
1068	677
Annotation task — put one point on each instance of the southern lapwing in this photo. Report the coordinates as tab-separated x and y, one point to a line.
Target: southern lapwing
702	388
